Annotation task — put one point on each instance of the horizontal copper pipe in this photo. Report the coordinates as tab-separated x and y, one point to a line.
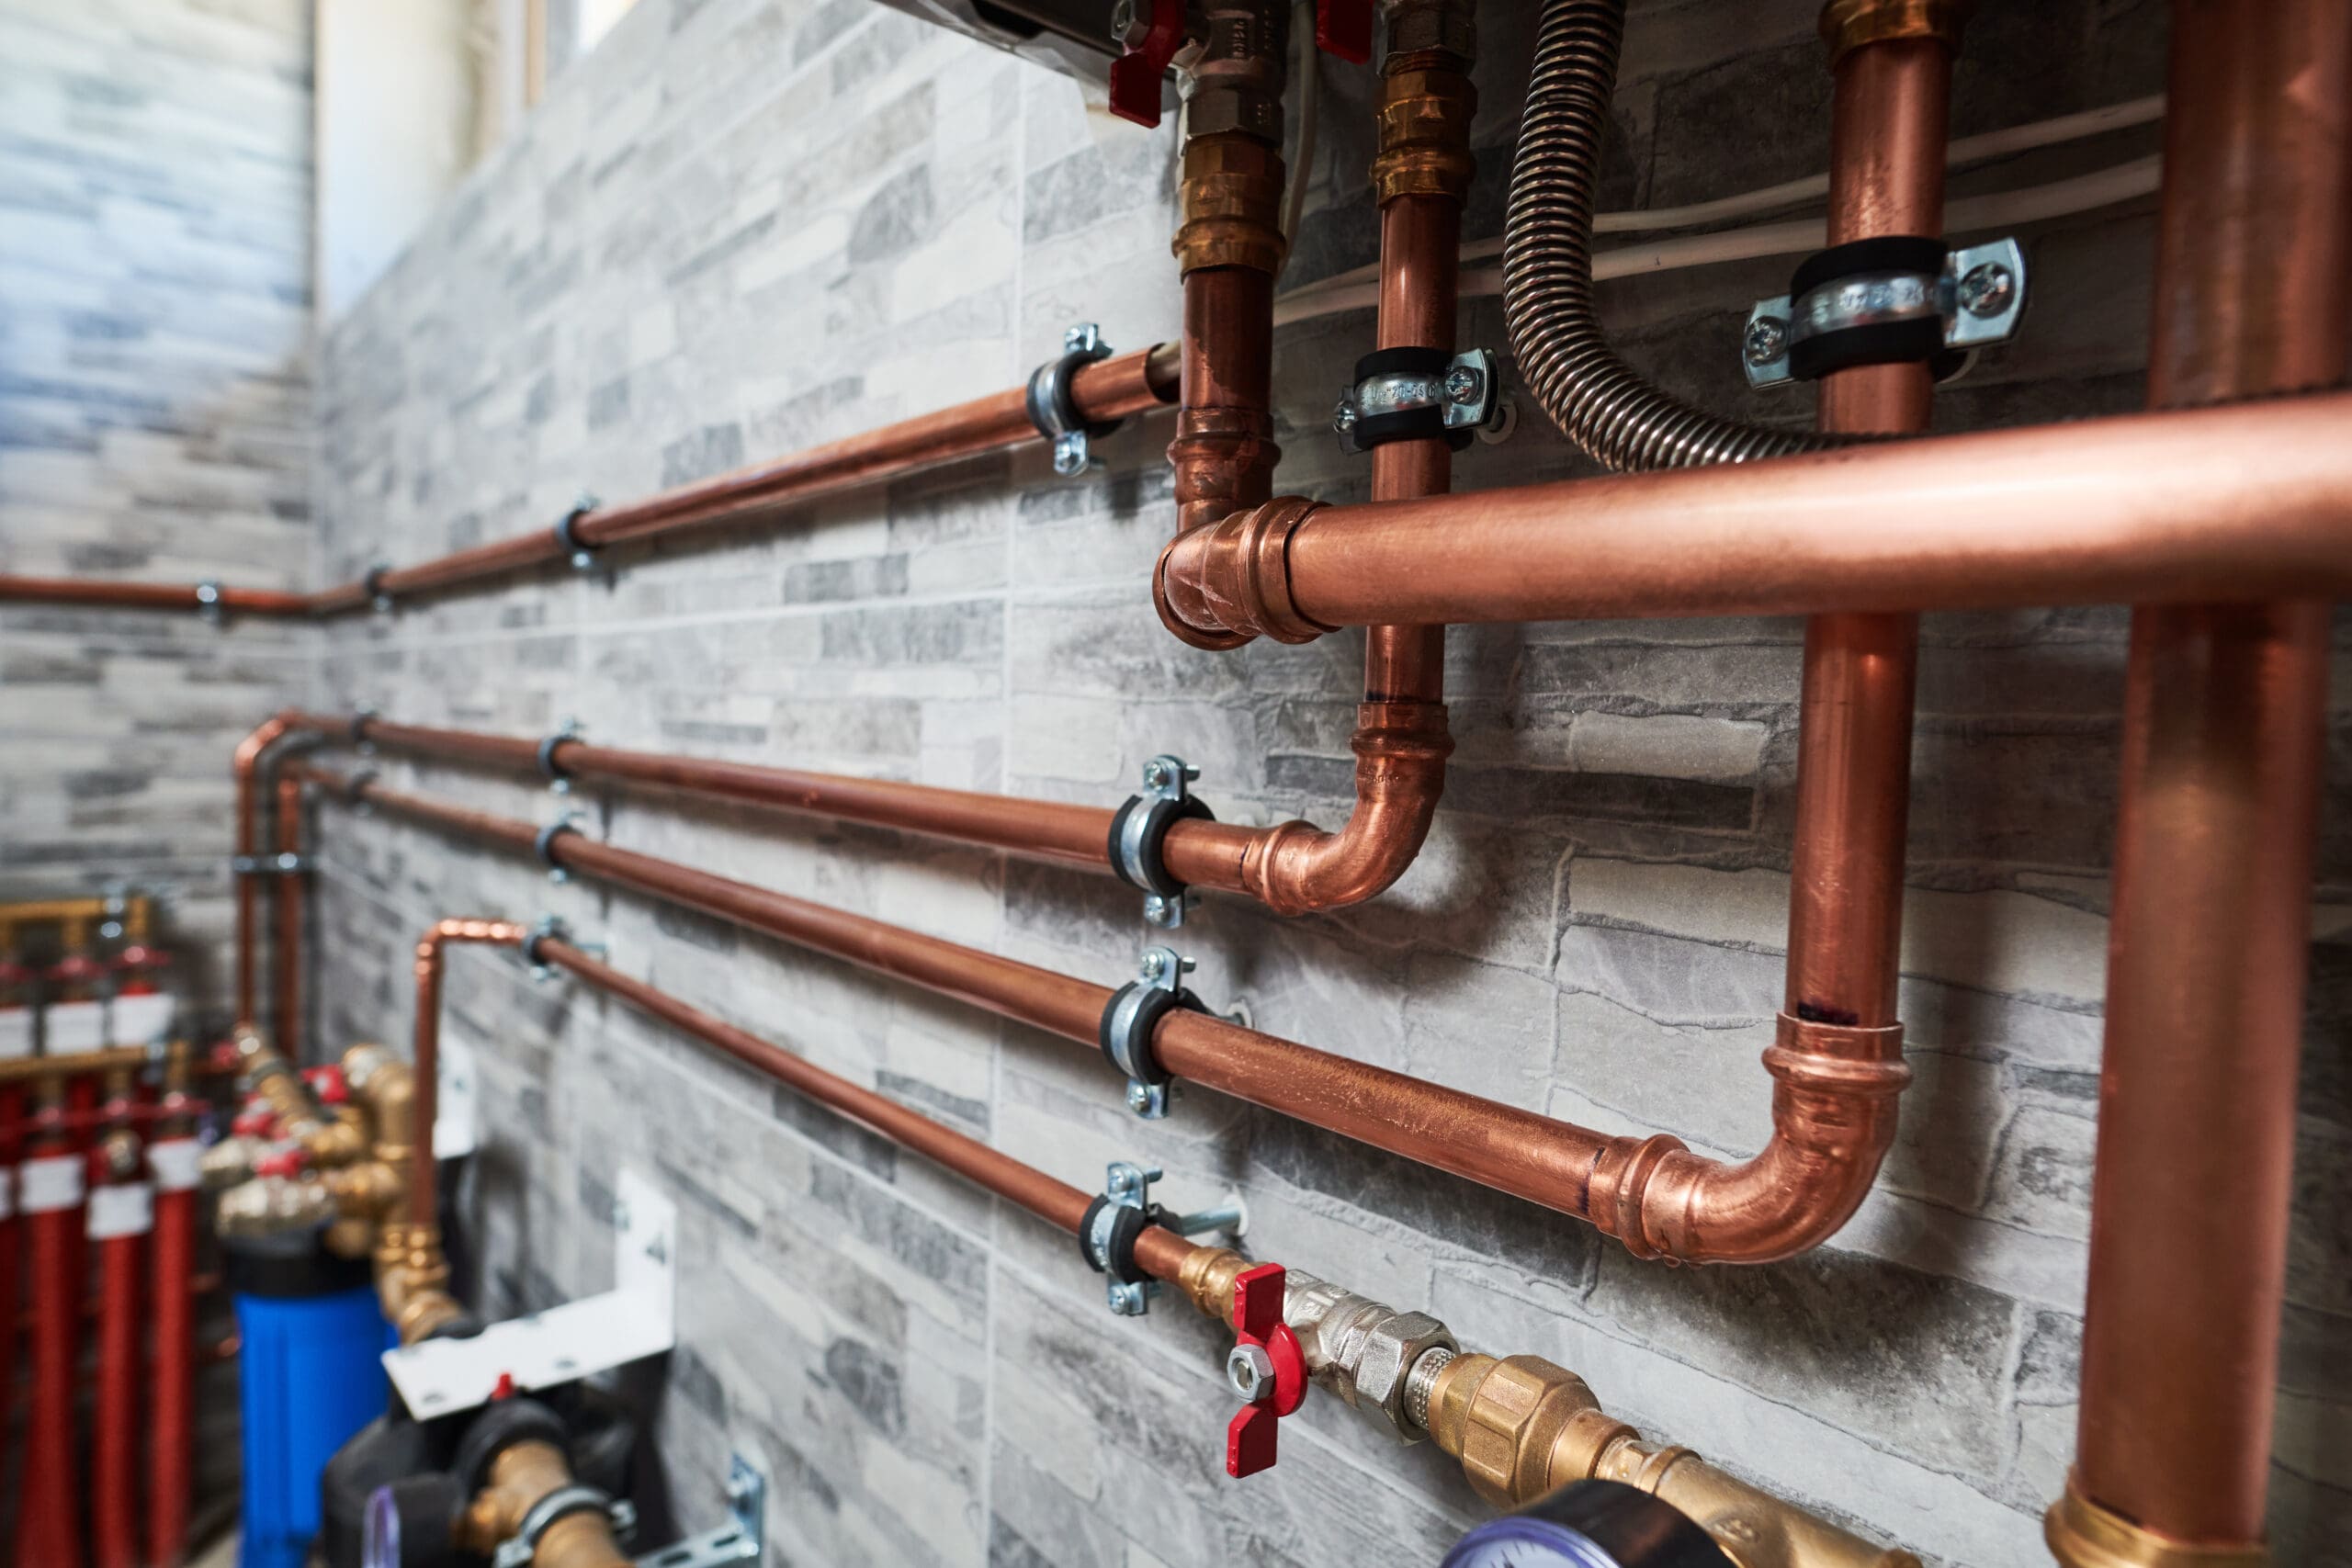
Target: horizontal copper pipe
1114	389
2233	503
424	1195
1833	1099
105	595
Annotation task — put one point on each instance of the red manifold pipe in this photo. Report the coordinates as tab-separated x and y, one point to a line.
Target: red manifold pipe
121	1215
48	1529
171	1163
12	1109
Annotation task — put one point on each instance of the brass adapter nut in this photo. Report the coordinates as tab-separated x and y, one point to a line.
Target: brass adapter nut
2083	1534
1229	205
1425	116
1848	24
1519	1427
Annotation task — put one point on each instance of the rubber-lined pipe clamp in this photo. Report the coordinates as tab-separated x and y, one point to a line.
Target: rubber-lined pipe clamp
354	790
558	780
1417	394
1140	829
372	584
1053	403
544	845
1129	1017
356	731
1107	1236
517	1550
1897	299
580	551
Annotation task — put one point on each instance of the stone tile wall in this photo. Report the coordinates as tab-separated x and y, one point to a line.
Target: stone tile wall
743	226
156	424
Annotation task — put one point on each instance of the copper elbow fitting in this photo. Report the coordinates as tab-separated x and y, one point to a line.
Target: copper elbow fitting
1426	106
2083	1534
1833	1119
1848	24
1231	579
1401	748
1229	205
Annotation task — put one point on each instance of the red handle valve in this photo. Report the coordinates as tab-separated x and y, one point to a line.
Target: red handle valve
328	1084
287	1161
1344	27
138	964
1152	31
254	1123
1266	1368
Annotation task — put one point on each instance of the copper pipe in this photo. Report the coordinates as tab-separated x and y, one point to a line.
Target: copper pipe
2225	504
2224	735
286	970
1829	1100
423	1199
245	769
1224	453
1114	389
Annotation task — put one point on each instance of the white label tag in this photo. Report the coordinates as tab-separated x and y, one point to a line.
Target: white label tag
16	1032
453	1119
125	1208
72	1028
51	1182
141	1019
172	1162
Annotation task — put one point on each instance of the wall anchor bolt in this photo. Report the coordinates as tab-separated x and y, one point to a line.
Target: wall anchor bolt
558	780
1139	827
1415	394
1053	407
1106	1237
1887	299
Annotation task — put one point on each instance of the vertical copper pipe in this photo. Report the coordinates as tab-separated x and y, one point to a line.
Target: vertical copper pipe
1887	176
423	1199
245	768
1224	452
1420	244
287	969
2223	736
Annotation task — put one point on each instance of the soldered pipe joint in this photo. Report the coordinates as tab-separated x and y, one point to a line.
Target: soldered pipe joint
1231	579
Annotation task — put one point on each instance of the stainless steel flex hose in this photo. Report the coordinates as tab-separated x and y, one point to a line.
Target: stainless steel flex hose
1601	402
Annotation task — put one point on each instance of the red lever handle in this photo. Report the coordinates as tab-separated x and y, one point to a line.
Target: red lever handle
1344	27
1135	75
1277	1373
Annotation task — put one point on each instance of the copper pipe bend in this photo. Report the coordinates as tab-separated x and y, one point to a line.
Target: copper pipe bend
1834	1103
1401	748
1221	585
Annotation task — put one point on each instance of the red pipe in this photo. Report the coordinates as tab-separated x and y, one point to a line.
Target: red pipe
121	1214
48	1533
172	1162
11	1241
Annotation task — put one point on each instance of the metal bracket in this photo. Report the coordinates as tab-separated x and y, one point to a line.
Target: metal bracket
517	1550
1124	1208
1053	411
373	584
360	717
208	601
1462	395
558	780
1135	1012
545	845
1137	830
1980	297
553	926
582	553
741	1540
284	864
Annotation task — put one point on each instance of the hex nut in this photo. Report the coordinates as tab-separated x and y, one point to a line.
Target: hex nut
1389	1348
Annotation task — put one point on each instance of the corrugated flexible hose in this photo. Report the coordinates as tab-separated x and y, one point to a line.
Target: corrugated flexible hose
1603	405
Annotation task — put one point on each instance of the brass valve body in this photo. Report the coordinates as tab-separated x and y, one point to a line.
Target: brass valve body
1229	205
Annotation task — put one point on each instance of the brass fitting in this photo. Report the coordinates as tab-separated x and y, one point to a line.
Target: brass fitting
412	1281
1426	106
2083	1534
272	1206
522	1473
1847	25
1754	1528
1229	204
1207	1281
1235	81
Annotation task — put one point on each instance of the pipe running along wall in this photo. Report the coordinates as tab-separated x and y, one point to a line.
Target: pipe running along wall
1822	1169
2224	740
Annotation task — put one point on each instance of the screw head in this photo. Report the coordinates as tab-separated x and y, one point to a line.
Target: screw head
1070	455
1767	339
1155	775
1464	385
1343	417
1250	1371
1987	288
1153	965
1138	1098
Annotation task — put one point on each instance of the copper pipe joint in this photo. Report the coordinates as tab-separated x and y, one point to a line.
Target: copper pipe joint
2081	1534
1207	1280
413	1279
1229	205
520	1475
1833	1119
1401	748
1520	1425
1224	459
1232	579
1426	104
1848	24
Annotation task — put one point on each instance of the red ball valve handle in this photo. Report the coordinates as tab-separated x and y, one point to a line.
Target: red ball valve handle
1344	27
1152	31
1267	1368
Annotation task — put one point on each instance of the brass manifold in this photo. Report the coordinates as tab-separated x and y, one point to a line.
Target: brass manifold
75	918
1520	1426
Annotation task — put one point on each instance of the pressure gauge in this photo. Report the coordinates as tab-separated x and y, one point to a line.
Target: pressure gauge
1591	1524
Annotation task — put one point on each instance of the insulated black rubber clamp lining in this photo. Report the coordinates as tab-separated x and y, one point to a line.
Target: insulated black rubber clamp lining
545	842
1117	1255
566	535
1162	814
1135	1060
1052	402
1882	342
1421	423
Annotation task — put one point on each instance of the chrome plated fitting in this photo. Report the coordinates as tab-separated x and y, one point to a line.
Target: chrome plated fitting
1365	1351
